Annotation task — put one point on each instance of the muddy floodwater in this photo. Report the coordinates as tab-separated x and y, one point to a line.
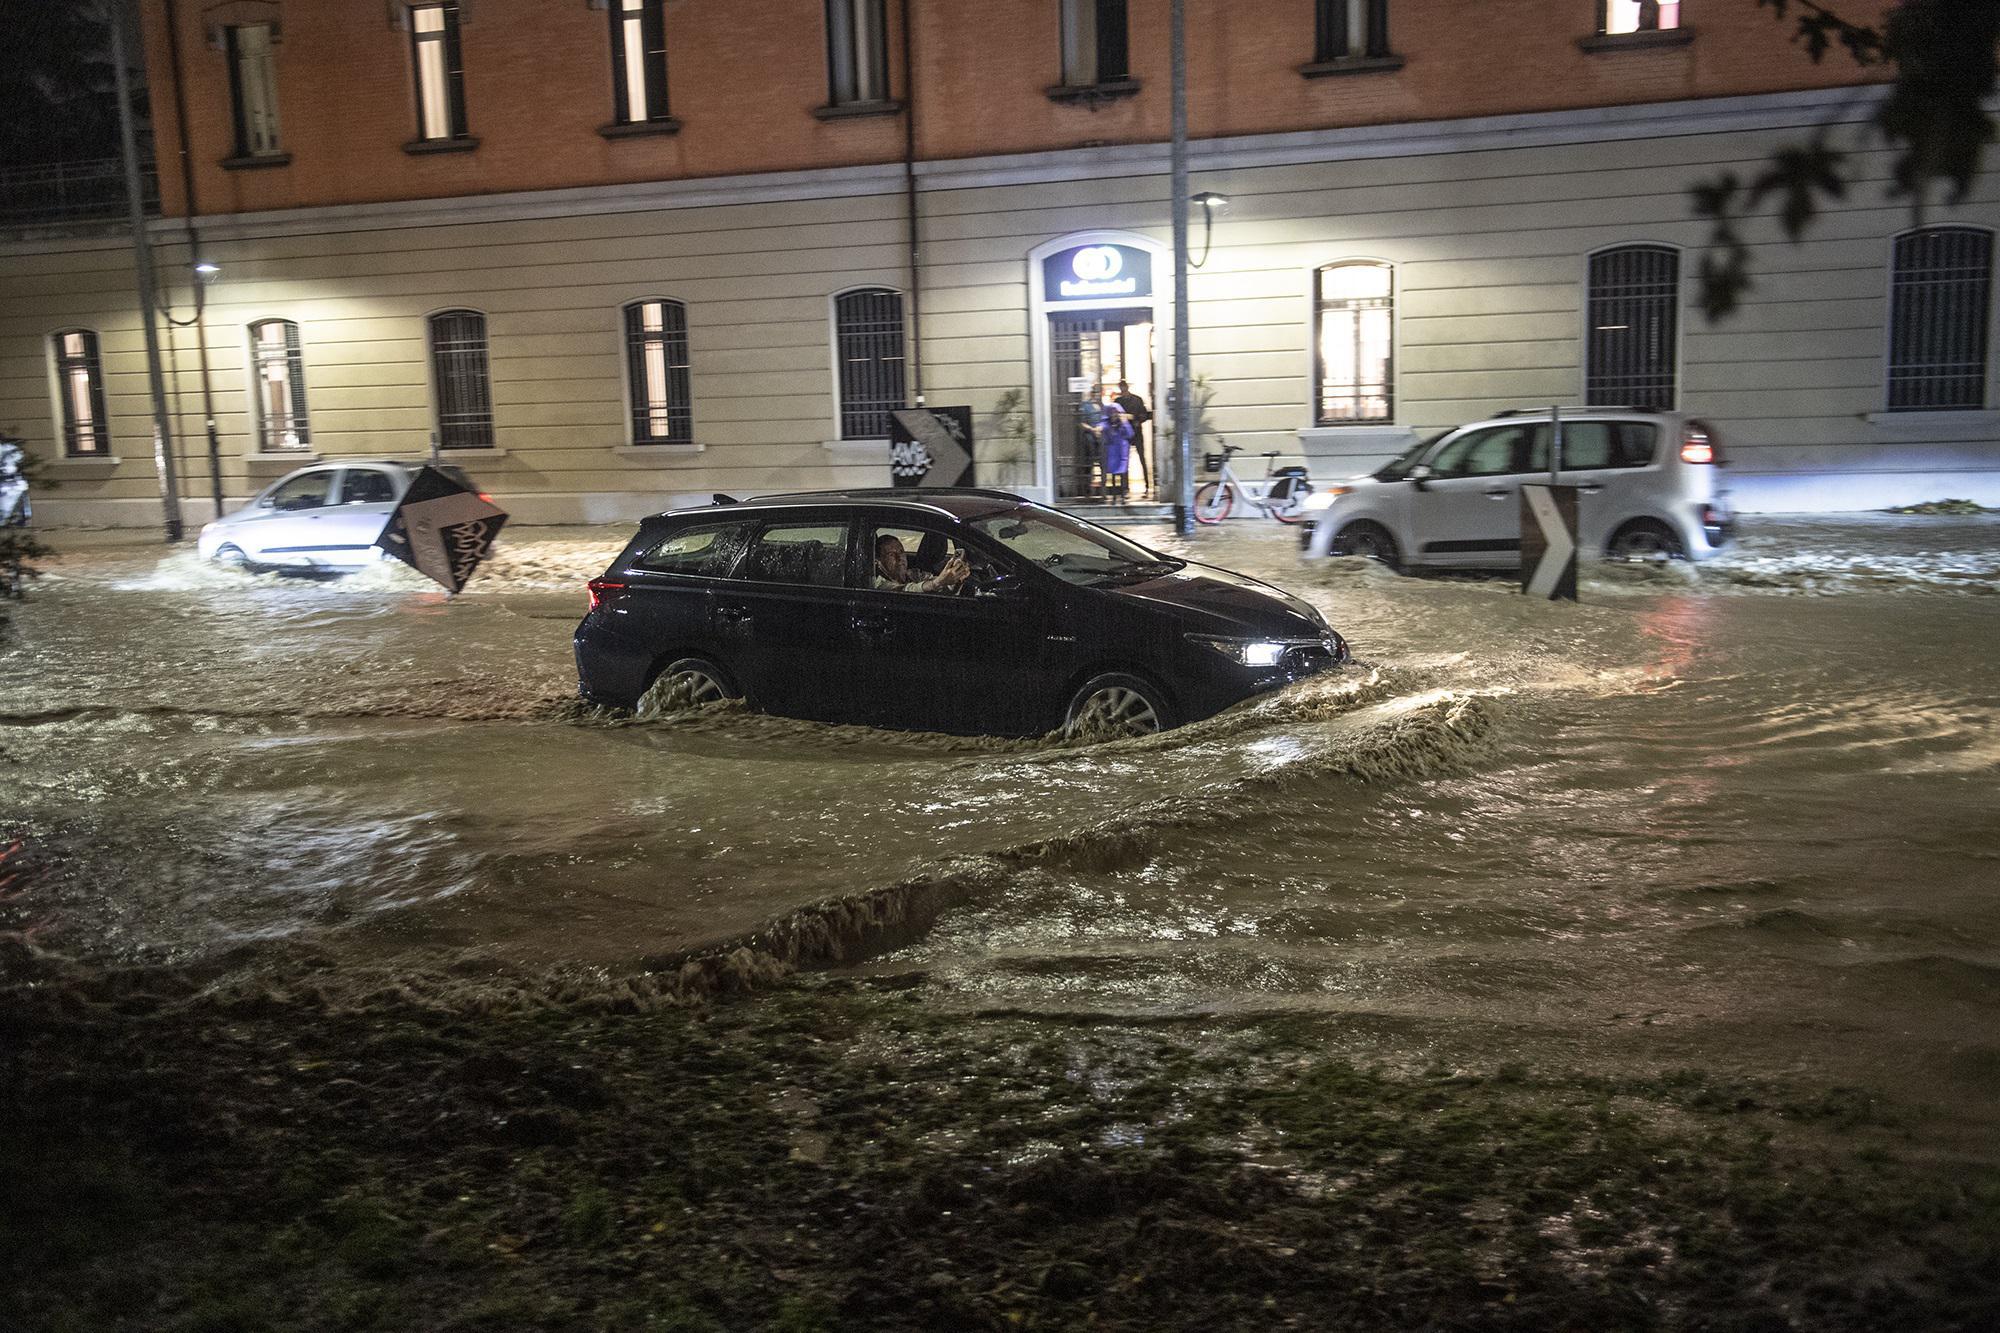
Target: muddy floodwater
1747	816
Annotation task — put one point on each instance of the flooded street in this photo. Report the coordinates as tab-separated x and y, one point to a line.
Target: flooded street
1744	816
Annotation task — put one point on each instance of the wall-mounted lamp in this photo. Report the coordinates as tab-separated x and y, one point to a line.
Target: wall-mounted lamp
1211	203
206	271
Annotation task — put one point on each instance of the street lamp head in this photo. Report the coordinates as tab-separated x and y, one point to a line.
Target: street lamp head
205	269
1209	199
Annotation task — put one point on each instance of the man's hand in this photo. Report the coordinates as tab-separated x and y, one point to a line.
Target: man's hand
955	571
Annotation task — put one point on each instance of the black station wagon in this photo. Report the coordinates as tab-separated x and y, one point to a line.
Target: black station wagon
966	611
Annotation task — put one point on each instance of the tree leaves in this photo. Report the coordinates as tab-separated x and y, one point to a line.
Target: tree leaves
1934	115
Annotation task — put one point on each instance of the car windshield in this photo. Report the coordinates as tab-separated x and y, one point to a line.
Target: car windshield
1074	552
1400	467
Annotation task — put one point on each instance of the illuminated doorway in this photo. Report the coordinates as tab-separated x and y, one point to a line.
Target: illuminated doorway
1096	350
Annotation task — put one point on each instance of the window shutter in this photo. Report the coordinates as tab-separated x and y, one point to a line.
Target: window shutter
295	367
653	22
1113	62
1330	43
454	59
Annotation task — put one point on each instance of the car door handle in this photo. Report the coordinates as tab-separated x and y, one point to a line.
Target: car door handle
732	615
1589	490
1498	495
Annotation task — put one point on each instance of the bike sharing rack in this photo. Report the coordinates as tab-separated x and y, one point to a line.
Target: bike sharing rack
1548	528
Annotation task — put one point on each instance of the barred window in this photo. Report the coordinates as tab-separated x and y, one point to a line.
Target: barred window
868	347
656	361
1353	362
1094	44
253	87
1632	312
458	365
1616	16
440	71
80	387
1350	29
1939	308
857	52
278	372
639	60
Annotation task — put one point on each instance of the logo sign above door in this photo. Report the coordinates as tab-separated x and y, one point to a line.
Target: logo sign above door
1097	273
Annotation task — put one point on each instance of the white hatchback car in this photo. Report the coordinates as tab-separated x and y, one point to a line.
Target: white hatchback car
322	517
1649	487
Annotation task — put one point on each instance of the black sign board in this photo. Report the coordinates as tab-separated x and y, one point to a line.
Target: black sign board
1097	273
441	528
930	446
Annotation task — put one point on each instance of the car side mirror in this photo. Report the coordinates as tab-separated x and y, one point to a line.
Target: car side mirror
1420	476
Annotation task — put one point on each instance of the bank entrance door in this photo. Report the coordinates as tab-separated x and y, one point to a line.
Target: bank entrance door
1094	349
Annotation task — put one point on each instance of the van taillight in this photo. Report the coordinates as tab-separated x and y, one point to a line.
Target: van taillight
1697	448
602	591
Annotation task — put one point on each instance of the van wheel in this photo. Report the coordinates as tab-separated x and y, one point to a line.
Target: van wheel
1116	704
232	557
687	682
1645	539
1371	540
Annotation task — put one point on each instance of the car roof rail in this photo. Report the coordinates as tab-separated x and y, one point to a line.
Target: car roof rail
1578	407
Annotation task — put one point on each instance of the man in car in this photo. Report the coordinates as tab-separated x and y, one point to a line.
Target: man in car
893	573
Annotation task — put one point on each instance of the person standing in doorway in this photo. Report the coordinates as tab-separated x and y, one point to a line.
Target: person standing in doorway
1117	448
1089	443
1133	406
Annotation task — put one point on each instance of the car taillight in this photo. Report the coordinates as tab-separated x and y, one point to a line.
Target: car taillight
602	591
484	496
1697	448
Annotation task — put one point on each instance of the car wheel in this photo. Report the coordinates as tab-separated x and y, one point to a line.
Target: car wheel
1116	704
688	682
1645	539
1371	540
232	557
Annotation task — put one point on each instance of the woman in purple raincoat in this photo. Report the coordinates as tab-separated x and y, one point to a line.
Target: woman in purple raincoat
1118	431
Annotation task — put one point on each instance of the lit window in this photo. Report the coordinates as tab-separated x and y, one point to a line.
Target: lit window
1093	42
458	368
1939	307
857	59
1640	15
80	387
1351	29
656	364
639	59
1632	311
253	85
440	72
1356	311
277	365
868	346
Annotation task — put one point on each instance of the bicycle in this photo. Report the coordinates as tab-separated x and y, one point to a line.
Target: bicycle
1281	492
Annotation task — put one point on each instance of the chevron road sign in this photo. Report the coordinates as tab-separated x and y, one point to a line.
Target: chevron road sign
930	446
1548	542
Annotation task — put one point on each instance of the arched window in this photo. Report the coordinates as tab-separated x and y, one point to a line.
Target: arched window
458	369
868	356
1632	313
1354	343
80	388
1940	304
278	386
656	371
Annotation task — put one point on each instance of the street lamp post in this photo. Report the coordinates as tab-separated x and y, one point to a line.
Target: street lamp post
1183	418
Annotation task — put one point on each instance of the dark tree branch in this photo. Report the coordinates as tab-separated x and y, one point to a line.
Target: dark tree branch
1934	116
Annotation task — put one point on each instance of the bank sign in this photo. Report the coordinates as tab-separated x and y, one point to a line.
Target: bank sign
1097	273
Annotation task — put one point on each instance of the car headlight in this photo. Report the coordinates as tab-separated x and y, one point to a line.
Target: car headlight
1319	500
1250	652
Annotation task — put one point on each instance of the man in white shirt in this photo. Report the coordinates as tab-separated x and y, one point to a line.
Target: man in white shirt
892	570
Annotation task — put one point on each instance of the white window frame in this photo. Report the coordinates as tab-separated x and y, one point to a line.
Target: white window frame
1617	18
833	351
256	383
1584	328
1992	330
629	402
1315	386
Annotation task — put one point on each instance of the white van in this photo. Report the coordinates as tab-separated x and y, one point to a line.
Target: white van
1650	487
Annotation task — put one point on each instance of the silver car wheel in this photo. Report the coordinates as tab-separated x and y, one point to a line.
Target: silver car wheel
696	686
1117	710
